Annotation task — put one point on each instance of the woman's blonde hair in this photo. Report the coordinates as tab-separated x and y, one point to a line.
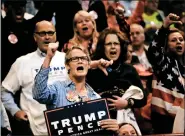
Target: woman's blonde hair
76	38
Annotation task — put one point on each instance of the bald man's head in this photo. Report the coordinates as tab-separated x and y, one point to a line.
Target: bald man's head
137	26
137	35
44	34
44	22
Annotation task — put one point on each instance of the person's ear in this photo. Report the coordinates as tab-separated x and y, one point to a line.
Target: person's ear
34	36
68	68
76	31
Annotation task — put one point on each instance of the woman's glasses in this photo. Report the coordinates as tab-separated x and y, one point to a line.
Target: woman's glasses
110	43
76	59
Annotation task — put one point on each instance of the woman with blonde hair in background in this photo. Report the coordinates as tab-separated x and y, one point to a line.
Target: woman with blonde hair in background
85	31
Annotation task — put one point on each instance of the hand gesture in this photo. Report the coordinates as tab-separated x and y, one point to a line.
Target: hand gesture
21	115
119	10
52	48
110	124
118	103
103	64
171	19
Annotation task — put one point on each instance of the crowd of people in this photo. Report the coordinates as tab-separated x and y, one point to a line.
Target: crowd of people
130	52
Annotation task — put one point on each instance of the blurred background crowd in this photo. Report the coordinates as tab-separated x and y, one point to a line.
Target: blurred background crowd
136	23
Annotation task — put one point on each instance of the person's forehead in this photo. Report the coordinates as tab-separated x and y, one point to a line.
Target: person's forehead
77	52
175	34
45	26
136	28
111	36
127	127
82	17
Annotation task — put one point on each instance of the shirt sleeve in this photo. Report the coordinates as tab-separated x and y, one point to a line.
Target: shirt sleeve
8	101
11	82
156	49
41	92
4	118
10	86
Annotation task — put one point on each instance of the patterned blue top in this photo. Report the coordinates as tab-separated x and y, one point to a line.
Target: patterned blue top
55	95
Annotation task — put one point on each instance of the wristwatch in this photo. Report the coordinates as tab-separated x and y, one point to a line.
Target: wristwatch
130	103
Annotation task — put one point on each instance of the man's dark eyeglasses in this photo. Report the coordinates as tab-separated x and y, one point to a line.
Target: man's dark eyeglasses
43	33
76	59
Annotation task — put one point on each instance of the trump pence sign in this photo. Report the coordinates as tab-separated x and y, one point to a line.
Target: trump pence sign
77	119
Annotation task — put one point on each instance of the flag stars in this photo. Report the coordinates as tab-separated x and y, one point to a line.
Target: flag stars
175	89
160	83
169	77
154	43
156	54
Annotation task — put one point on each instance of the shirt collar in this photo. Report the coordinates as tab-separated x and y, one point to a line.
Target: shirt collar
40	53
69	82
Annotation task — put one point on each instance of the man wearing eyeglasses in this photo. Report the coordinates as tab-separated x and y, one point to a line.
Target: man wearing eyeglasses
22	74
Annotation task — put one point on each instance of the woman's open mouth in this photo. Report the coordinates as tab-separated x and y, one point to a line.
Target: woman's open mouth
85	29
179	48
113	53
80	68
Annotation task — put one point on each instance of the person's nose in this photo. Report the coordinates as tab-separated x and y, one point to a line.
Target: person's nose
113	45
47	36
83	22
134	35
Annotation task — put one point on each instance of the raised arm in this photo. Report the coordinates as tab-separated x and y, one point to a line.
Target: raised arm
123	25
136	17
41	91
156	53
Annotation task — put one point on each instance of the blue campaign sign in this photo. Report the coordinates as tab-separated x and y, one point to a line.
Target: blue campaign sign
78	119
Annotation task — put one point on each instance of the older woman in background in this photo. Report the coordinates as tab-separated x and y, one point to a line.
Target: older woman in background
121	76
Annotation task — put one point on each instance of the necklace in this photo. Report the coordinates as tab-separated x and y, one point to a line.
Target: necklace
83	95
109	69
75	96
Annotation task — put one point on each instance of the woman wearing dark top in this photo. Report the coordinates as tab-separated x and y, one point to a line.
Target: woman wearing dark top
120	77
167	56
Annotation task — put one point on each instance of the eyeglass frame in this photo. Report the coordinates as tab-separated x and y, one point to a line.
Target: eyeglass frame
110	43
76	59
49	33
